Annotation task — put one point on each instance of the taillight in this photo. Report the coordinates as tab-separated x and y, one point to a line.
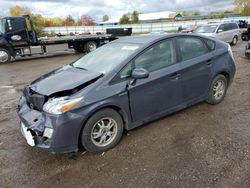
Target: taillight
230	51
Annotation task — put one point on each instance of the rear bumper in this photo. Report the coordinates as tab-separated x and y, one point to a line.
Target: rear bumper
247	51
66	128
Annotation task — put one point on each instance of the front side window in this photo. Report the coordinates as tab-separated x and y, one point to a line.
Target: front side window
191	47
17	24
156	57
222	28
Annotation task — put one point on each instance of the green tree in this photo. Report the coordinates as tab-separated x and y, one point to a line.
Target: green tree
124	19
196	13
69	21
38	23
135	17
243	6
105	18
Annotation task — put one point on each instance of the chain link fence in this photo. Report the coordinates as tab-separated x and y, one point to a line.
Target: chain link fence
138	28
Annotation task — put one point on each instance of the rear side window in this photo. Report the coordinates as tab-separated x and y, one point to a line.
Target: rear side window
231	26
191	47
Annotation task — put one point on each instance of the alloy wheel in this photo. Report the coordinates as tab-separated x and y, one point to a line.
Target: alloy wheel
219	89
104	132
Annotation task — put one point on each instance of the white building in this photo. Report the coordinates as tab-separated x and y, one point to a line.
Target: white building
154	16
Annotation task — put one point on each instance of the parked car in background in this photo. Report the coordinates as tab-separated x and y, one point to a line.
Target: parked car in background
120	86
247	52
189	29
228	31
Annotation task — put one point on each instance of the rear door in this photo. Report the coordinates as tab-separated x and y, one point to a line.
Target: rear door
196	67
161	91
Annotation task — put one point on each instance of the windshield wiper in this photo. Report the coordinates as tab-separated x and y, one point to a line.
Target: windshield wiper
78	67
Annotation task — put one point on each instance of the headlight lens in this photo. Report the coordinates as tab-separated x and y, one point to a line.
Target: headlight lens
60	105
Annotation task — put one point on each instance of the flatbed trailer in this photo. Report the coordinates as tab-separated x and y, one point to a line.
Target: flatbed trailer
18	38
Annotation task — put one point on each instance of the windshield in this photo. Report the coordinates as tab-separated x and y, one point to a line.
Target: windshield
2	25
206	29
106	57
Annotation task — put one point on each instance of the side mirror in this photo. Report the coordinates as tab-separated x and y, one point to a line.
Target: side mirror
9	25
139	73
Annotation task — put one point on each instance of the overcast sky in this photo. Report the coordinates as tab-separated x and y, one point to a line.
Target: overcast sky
113	8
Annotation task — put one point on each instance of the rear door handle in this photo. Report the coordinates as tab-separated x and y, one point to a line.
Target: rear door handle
209	62
175	76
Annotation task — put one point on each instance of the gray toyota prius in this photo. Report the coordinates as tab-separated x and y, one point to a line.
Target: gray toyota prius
120	86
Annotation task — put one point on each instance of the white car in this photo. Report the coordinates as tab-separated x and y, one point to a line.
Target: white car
228	32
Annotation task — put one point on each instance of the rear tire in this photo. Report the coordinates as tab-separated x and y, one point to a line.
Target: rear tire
234	41
78	49
102	131
90	46
5	56
217	90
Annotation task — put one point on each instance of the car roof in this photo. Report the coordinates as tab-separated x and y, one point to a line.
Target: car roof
219	23
150	38
141	39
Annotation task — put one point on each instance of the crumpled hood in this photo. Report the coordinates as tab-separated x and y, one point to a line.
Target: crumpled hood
63	79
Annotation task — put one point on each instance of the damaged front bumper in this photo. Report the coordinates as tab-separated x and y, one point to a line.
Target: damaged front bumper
53	133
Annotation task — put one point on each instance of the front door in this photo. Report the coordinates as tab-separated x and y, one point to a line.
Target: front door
161	91
17	31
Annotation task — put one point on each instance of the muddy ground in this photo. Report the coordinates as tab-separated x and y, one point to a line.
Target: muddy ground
202	146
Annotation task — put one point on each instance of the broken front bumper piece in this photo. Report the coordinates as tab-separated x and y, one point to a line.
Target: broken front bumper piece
53	133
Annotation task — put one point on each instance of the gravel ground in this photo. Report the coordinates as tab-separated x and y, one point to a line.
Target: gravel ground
202	146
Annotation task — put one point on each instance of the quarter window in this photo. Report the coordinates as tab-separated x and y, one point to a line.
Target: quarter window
191	47
157	57
211	44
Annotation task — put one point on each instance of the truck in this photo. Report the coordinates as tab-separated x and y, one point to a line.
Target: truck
18	38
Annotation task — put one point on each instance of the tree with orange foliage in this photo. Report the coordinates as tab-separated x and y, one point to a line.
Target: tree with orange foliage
243	6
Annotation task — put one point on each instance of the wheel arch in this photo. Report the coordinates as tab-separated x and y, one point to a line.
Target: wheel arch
226	74
121	112
4	44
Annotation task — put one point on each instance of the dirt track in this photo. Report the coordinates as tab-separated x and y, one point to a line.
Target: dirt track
202	146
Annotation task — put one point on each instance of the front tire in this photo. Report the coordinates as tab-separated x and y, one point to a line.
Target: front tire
102	131
217	90
5	56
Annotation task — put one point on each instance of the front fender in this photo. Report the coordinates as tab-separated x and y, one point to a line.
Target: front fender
119	103
5	44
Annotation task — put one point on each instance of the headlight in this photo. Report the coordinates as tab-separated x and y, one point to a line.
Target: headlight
60	105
